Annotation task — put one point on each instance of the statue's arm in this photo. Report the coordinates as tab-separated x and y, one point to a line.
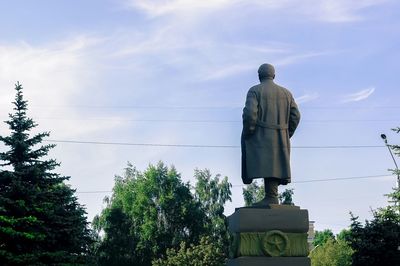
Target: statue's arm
294	117
250	113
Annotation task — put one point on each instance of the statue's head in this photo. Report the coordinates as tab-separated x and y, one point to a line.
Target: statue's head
266	71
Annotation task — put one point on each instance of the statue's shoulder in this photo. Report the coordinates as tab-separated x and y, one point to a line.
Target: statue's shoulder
284	90
255	88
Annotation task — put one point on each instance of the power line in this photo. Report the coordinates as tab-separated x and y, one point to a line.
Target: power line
331	179
201	107
301	181
206	146
214	121
143	144
340	178
338	147
137	107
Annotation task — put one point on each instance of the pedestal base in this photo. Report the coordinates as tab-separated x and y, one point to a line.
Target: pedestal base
278	231
291	220
270	261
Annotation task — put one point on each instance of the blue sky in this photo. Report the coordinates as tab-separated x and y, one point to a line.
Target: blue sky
177	72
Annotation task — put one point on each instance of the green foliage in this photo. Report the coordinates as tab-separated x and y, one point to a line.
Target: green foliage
321	237
377	242
41	221
396	150
394	204
117	247
286	197
253	193
212	193
332	253
344	235
206	253
159	212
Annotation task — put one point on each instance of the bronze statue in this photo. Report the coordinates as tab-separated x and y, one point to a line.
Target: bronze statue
270	118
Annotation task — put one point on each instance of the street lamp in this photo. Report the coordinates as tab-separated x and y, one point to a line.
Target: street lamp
383	136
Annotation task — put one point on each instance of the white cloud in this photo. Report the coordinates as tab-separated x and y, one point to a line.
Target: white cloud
276	57
322	10
226	71
179	39
307	98
181	48
297	57
359	96
161	7
343	10
53	76
182	38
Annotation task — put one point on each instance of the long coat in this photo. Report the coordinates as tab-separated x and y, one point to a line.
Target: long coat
270	118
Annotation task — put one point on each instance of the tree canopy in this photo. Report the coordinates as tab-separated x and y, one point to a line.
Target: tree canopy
321	237
377	241
206	253
253	193
159	212
41	221
332	253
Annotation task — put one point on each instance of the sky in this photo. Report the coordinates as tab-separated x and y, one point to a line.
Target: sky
176	72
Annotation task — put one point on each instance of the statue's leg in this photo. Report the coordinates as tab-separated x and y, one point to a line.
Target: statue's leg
271	190
271	193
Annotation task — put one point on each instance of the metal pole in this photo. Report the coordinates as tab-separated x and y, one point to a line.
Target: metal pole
383	136
397	168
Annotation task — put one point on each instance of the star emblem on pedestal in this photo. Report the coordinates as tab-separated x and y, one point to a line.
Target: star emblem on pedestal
275	243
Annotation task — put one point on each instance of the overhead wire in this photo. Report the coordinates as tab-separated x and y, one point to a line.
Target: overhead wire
206	146
296	182
335	179
201	107
222	121
212	120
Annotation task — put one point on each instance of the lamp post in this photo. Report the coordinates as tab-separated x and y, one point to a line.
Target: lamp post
383	136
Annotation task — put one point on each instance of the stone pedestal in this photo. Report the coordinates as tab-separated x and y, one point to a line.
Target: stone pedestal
271	235
269	261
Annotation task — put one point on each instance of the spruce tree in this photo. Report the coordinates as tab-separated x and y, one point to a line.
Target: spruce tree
377	241
41	221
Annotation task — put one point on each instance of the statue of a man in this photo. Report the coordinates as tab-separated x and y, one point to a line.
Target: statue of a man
270	118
